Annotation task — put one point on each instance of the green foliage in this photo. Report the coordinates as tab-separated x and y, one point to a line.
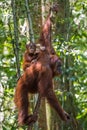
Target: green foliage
72	47
70	42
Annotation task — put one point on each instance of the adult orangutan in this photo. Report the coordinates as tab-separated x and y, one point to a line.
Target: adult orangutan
37	78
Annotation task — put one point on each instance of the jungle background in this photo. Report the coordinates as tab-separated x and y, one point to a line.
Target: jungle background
21	21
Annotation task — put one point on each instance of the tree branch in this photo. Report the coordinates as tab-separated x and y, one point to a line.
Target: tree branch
16	44
29	22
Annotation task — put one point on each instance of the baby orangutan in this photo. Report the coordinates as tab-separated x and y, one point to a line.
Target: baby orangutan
31	54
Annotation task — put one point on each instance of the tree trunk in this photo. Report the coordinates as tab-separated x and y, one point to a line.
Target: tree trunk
46	124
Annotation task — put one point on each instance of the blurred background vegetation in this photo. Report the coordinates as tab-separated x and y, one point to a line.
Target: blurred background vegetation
69	38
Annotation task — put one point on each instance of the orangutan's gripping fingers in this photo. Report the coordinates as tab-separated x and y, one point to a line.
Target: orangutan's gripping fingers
31	119
67	116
